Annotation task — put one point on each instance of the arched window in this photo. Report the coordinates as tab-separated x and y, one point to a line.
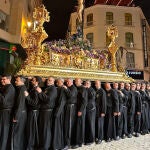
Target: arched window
130	60
129	39
109	18
89	19
128	19
90	37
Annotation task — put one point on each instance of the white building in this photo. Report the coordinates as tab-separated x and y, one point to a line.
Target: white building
133	30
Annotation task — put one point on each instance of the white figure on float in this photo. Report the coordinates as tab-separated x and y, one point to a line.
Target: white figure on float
80	9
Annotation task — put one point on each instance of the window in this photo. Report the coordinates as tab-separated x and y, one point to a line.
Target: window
109	18
90	37
129	39
108	40
128	19
89	19
3	19
130	60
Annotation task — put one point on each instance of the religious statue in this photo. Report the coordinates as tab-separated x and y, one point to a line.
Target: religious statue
112	33
80	9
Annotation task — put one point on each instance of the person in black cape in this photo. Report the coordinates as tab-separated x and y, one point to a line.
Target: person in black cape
70	113
145	110
47	100
58	135
32	114
130	110
7	97
82	99
90	114
19	115
100	112
138	109
112	111
122	127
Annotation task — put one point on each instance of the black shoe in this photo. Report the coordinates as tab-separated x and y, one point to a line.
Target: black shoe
98	142
75	146
88	143
129	135
108	140
117	138
66	148
137	134
123	136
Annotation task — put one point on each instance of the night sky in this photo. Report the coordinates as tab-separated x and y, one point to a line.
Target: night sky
60	11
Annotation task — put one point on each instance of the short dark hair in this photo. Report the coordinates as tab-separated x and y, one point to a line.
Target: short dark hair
38	79
21	77
7	76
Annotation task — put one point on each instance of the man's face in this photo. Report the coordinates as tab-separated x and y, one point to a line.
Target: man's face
34	82
107	86
133	87
87	84
138	86
78	82
59	83
127	86
18	81
121	85
5	81
97	84
115	85
69	82
50	81
143	86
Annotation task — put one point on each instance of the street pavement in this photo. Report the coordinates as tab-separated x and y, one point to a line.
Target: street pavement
134	143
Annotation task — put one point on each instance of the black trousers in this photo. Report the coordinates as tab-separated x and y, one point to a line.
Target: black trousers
44	129
70	124
80	129
32	130
99	131
110	126
5	120
130	123
18	133
122	122
144	118
137	123
90	126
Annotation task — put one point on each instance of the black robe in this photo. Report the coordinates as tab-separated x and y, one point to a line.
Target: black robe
47	101
130	111
20	114
90	117
112	106
58	135
122	125
32	119
82	99
145	112
7	97
138	108
71	115
100	108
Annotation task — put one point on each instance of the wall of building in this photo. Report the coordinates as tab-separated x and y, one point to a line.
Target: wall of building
99	29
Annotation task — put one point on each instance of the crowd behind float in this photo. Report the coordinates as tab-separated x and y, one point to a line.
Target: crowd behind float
66	113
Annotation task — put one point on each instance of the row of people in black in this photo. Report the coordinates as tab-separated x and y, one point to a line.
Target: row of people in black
71	114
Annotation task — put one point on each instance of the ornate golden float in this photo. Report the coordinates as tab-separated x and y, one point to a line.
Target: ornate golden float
68	58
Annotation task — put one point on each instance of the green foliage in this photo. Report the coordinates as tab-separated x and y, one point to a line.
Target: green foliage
13	68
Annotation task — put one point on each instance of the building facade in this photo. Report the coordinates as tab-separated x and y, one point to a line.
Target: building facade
14	16
133	34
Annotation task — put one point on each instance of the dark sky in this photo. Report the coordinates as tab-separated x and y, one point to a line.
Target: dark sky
60	11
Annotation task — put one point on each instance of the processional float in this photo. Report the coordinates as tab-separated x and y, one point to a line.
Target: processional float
70	58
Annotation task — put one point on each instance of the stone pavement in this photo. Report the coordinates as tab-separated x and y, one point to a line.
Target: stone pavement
134	143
